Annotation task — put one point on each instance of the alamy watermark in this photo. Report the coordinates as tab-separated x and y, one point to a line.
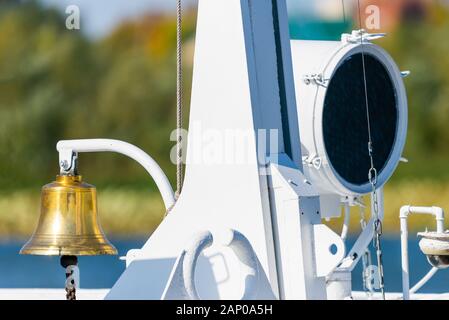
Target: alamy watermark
372	278
231	146
372	21
72	22
73	19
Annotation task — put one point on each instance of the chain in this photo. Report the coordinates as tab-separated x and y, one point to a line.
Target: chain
377	244
179	97
372	173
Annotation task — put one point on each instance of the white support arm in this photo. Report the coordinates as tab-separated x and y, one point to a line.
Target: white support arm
365	238
68	148
424	280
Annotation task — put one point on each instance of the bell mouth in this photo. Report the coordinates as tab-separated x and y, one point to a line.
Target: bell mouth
44	245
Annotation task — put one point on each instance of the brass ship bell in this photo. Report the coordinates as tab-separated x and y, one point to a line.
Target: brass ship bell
68	224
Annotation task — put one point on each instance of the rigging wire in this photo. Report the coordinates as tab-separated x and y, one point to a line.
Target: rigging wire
372	173
179	97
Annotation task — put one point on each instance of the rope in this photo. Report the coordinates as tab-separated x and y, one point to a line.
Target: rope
372	173
70	263
179	96
70	285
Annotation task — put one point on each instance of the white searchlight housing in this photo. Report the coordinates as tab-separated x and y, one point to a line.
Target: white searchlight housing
332	113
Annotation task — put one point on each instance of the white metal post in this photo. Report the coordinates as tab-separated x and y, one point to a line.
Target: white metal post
405	211
404	257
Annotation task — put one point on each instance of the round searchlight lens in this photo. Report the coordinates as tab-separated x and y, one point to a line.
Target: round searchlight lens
345	125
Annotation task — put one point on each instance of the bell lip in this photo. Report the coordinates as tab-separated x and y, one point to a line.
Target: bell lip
92	244
55	251
39	245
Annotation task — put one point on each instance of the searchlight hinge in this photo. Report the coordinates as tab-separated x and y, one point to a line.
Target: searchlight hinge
361	36
405	74
317	79
313	161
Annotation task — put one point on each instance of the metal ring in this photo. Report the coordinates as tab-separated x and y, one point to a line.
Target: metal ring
372	176
242	249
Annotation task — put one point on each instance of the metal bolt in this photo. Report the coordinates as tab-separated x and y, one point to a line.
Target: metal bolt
64	164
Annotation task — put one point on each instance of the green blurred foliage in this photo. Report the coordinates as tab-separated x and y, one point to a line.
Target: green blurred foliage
58	84
127	212
423	48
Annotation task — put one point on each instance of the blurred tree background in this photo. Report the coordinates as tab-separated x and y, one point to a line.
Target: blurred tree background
60	84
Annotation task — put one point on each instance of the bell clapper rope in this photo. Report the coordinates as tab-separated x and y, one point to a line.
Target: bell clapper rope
70	263
372	173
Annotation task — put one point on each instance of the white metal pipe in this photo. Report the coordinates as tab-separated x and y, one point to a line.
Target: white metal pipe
435	211
404	212
424	280
404	259
127	149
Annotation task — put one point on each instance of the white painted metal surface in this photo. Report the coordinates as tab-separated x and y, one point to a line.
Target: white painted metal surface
339	285
233	89
302	242
182	284
359	295
50	294
329	250
295	209
99	294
